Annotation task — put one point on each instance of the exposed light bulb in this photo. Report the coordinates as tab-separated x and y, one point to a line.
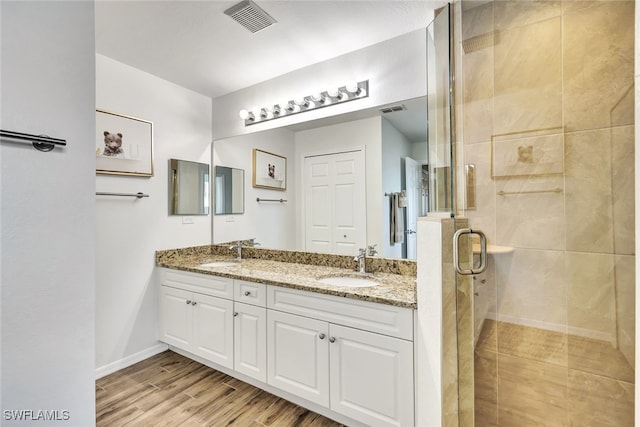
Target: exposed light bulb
318	97
296	108
300	101
257	111
333	92
244	114
352	87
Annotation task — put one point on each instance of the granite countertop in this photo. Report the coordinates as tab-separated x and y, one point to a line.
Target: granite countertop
393	289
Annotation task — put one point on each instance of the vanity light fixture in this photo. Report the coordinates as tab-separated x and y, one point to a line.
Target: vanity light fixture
332	96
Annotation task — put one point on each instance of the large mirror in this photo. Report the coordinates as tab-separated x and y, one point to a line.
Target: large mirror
324	214
188	188
229	190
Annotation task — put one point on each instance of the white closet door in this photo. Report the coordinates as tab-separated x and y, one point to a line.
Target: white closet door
335	203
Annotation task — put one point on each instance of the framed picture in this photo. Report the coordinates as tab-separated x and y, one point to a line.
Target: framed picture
124	145
269	170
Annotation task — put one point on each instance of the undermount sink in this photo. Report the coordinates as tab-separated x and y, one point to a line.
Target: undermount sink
219	264
348	281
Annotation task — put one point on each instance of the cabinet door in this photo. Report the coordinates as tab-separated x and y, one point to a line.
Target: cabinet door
176	317
298	356
371	377
250	340
213	329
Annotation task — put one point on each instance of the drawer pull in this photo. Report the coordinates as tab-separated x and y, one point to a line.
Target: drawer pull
332	340
188	302
247	293
193	303
235	314
321	336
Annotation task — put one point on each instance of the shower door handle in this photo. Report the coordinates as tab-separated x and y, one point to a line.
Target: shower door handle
483	252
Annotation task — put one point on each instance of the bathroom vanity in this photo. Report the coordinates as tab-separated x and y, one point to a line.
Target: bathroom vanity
343	351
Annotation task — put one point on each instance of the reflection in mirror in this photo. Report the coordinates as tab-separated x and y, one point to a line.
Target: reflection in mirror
229	191
321	215
188	188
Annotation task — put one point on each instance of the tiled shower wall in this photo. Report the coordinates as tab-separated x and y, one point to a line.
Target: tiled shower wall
547	118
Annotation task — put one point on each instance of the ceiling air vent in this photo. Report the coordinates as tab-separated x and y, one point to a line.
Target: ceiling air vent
393	109
250	15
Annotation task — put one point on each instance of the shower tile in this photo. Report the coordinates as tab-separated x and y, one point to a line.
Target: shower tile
528	75
589	211
530	214
623	187
532	288
591	295
483	217
625	303
599	401
598	51
599	358
531	393
537	344
512	14
486	388
477	19
478	95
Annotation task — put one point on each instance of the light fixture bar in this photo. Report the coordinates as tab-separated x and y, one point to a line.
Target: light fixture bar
332	96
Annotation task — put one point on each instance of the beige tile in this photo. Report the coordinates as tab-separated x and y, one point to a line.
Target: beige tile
513	14
528	74
591	295
531	393
477	18
599	358
598	52
532	287
623	187
532	343
625	304
524	154
478	96
599	401
486	388
483	217
589	203
530	213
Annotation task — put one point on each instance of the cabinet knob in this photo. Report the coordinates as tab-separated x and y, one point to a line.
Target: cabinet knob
193	303
188	302
247	293
332	340
235	314
321	336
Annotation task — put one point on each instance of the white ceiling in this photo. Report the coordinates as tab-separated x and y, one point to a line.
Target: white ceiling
195	45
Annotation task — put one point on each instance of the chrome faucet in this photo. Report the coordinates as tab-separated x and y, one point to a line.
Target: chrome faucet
371	250
237	246
250	243
361	260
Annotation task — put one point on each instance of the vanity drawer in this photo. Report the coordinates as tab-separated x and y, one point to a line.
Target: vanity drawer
210	285
250	292
370	316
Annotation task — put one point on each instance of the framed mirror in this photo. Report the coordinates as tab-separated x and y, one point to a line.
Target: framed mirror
229	191
188	188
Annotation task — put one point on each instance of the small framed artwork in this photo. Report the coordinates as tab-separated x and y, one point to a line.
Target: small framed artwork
124	145
269	170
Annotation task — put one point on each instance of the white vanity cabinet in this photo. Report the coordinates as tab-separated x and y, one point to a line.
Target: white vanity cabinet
194	320
364	375
346	357
250	329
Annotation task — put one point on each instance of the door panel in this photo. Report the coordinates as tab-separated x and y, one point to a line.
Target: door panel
335	203
213	329
250	341
176	317
298	356
383	399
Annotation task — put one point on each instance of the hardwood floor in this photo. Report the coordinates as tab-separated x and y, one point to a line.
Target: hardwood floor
171	390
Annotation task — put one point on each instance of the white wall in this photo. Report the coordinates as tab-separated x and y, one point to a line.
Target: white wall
365	133
128	230
270	223
48	205
395	147
395	68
